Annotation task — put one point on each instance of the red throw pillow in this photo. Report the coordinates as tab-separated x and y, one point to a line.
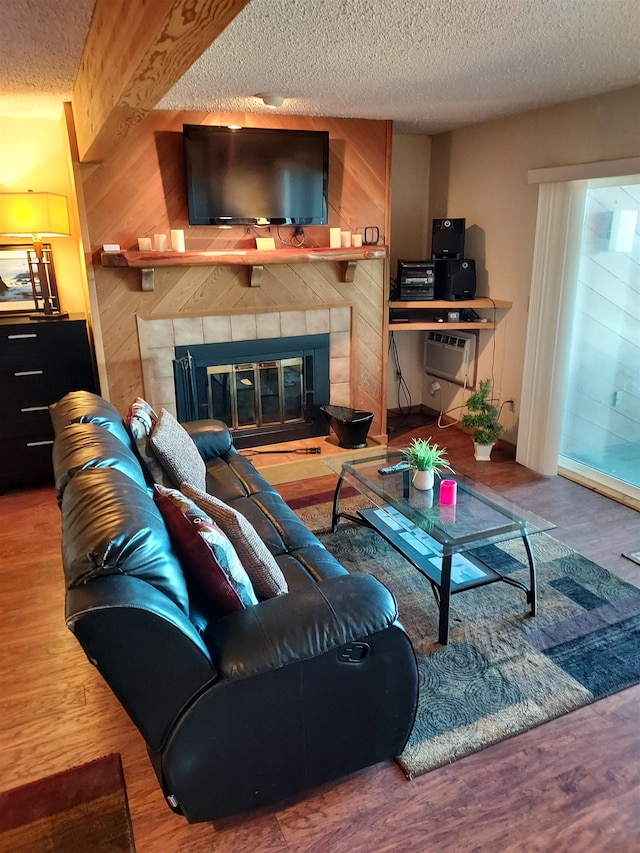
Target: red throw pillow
207	556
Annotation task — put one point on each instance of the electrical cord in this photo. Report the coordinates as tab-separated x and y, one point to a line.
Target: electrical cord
493	343
296	241
454	409
403	388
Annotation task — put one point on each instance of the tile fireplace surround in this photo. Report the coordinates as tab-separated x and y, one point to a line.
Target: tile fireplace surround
158	338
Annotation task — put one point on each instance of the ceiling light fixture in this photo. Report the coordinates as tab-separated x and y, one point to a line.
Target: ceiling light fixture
272	100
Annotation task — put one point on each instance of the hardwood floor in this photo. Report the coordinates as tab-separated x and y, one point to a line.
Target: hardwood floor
570	785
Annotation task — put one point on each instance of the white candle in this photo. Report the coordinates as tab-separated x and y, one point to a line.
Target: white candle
160	242
334	238
356	240
177	239
144	244
345	239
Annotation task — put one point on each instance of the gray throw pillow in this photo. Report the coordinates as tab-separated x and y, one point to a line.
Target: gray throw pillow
176	452
259	563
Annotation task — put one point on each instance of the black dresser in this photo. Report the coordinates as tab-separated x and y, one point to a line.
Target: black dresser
39	362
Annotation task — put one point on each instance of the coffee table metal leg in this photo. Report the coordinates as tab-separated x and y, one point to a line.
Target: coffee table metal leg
335	515
445	599
533	589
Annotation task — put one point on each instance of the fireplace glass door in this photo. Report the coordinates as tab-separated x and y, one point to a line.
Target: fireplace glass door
255	394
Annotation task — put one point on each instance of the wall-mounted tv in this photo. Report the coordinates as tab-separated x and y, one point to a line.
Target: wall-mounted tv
254	176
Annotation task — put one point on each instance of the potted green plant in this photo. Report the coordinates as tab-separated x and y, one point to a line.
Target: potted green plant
427	459
482	419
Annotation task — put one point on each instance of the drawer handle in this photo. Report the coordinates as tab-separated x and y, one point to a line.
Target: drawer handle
29	373
39	443
35	409
16	337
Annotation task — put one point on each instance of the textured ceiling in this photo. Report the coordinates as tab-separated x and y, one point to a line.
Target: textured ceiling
41	43
430	65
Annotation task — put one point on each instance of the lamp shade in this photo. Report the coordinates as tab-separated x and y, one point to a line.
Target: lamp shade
26	214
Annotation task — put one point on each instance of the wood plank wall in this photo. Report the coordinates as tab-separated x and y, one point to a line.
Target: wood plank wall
140	190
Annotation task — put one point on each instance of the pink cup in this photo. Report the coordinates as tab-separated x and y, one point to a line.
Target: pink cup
448	492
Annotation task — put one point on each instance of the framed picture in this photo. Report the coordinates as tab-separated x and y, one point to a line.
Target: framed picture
21	271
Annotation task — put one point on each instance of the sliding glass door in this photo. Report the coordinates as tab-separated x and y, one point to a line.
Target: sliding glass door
600	434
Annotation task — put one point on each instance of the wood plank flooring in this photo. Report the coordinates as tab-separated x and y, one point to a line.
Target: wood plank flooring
570	785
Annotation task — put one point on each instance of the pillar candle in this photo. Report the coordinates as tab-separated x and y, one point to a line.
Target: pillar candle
177	239
334	238
144	244
160	242
448	492
356	240
345	239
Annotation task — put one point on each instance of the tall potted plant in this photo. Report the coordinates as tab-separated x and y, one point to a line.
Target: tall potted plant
427	459
482	419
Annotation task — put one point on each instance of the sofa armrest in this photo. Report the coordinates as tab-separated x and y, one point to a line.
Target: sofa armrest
211	437
144	646
298	626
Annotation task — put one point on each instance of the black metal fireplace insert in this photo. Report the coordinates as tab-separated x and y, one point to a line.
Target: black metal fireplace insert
266	391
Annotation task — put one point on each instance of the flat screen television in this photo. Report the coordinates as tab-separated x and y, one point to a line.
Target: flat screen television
254	176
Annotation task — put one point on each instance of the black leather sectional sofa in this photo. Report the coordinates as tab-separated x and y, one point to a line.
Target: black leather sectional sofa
247	709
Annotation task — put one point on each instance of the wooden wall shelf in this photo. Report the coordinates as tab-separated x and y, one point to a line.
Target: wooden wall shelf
422	324
347	260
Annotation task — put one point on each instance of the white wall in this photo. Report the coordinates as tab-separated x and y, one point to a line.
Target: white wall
480	173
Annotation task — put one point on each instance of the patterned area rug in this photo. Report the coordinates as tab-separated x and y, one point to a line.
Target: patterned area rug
76	811
503	671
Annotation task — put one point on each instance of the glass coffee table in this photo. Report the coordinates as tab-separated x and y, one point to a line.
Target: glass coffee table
437	539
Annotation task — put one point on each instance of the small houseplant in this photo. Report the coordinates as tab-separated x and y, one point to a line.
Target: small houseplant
427	459
482	419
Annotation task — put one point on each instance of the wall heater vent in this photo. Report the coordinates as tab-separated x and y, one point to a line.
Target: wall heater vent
451	355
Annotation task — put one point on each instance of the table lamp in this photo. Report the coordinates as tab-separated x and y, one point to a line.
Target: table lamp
37	215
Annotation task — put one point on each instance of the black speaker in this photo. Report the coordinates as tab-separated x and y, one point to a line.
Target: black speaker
455	279
447	238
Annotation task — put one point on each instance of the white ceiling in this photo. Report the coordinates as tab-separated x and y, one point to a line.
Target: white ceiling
430	65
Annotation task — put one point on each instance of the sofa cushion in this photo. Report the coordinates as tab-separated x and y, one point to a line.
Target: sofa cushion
89	445
176	452
84	407
207	556
259	563
111	526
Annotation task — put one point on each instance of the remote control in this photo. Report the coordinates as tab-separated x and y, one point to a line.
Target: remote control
391	469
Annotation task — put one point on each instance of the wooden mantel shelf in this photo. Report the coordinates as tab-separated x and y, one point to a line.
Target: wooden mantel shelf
148	261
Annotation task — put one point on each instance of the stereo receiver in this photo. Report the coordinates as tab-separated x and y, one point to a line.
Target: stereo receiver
415	281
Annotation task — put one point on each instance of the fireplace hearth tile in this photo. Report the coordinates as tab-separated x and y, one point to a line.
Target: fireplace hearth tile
188	330
158	334
156	338
318	321
340	344
340	319
293	323
243	327
217	328
268	325
341	393
161	366
339	370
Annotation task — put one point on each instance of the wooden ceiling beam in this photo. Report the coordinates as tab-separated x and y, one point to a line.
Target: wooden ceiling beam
134	53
